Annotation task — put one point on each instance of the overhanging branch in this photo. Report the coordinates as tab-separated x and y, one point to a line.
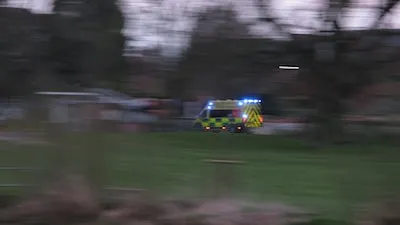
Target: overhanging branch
266	17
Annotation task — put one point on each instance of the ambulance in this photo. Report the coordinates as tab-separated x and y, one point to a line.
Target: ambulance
234	116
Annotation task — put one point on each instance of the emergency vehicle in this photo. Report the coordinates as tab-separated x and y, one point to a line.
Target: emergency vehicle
235	116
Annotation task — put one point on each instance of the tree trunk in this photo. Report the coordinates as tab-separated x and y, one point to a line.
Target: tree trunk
329	107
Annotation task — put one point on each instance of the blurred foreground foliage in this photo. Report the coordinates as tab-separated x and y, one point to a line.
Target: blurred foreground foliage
71	200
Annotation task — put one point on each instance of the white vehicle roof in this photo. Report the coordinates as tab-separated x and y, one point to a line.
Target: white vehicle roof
110	93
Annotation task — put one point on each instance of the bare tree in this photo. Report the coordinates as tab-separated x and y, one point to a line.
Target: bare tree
325	64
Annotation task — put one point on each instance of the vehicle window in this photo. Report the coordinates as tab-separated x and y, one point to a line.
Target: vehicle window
236	113
220	113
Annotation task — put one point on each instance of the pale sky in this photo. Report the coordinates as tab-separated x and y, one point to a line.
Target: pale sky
290	11
146	19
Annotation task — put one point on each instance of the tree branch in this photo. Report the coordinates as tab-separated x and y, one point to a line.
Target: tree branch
266	17
387	8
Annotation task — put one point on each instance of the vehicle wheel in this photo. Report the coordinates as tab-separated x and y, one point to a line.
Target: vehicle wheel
242	130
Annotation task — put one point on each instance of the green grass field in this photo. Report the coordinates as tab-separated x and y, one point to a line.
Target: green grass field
330	181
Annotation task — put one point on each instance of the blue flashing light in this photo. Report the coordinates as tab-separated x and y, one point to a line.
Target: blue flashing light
210	103
252	101
244	116
240	103
209	107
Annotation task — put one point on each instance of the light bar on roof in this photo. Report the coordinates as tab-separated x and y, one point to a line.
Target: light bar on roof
251	101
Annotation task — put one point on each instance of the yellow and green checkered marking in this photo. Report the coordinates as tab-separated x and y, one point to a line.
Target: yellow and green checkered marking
218	122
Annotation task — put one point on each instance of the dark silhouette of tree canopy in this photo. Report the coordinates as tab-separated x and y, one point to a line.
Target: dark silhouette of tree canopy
21	48
87	41
219	23
81	44
209	59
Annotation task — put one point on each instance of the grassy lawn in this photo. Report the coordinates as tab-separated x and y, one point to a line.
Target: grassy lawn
330	181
